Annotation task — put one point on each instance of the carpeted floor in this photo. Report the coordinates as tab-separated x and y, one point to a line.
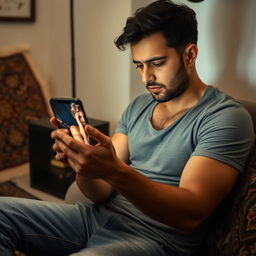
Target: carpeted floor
9	188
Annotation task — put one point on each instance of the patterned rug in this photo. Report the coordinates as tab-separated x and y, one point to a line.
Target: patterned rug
21	100
9	188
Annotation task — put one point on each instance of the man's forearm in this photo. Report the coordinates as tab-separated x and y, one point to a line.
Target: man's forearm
183	207
96	190
165	203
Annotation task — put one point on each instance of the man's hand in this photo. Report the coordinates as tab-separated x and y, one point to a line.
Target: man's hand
70	148
95	162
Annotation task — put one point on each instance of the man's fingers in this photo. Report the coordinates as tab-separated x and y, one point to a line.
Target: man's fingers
68	147
53	121
101	138
60	156
56	148
66	142
55	134
76	133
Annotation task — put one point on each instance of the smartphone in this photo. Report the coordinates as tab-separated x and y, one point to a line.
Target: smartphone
69	112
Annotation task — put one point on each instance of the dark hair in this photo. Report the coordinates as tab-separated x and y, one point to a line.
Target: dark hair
176	22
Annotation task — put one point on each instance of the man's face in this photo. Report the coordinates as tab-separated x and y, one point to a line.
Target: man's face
161	69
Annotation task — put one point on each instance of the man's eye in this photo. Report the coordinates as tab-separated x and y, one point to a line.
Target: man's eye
139	66
158	64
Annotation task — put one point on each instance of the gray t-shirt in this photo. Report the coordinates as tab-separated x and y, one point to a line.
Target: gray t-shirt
217	127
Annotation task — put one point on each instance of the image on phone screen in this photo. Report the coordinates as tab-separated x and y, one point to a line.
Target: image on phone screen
70	112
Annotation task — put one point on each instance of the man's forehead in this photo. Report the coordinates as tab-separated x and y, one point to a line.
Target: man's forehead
147	55
150	47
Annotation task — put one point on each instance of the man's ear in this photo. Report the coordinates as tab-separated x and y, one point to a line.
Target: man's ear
190	55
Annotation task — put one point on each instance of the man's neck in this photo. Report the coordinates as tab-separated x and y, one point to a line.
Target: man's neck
189	98
166	113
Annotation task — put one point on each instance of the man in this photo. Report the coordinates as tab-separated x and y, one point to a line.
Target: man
156	184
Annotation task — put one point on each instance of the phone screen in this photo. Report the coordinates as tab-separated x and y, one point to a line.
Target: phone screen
70	112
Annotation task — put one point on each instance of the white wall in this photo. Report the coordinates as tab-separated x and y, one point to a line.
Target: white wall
48	39
103	72
106	79
227	40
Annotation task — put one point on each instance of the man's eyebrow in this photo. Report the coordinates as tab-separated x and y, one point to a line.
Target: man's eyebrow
150	60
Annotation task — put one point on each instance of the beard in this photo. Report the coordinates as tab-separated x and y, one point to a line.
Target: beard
179	84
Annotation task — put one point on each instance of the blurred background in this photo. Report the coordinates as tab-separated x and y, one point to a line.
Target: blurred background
106	79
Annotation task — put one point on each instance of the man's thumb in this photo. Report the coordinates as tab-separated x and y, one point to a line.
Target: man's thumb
97	135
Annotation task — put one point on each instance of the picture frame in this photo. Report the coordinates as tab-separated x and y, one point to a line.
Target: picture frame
17	10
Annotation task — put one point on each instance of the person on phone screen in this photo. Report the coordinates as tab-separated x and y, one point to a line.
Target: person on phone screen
156	185
80	119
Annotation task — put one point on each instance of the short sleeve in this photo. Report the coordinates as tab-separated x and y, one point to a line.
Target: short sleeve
226	135
122	125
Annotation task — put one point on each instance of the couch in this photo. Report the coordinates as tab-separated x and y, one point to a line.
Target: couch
234	231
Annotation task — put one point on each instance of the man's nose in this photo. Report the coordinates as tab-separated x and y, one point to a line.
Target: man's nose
147	75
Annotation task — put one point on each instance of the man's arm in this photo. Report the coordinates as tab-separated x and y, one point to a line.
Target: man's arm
204	184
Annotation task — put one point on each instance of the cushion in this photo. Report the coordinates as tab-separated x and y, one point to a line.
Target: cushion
241	237
21	99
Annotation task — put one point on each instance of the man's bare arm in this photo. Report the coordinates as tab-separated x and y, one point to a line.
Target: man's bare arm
204	184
